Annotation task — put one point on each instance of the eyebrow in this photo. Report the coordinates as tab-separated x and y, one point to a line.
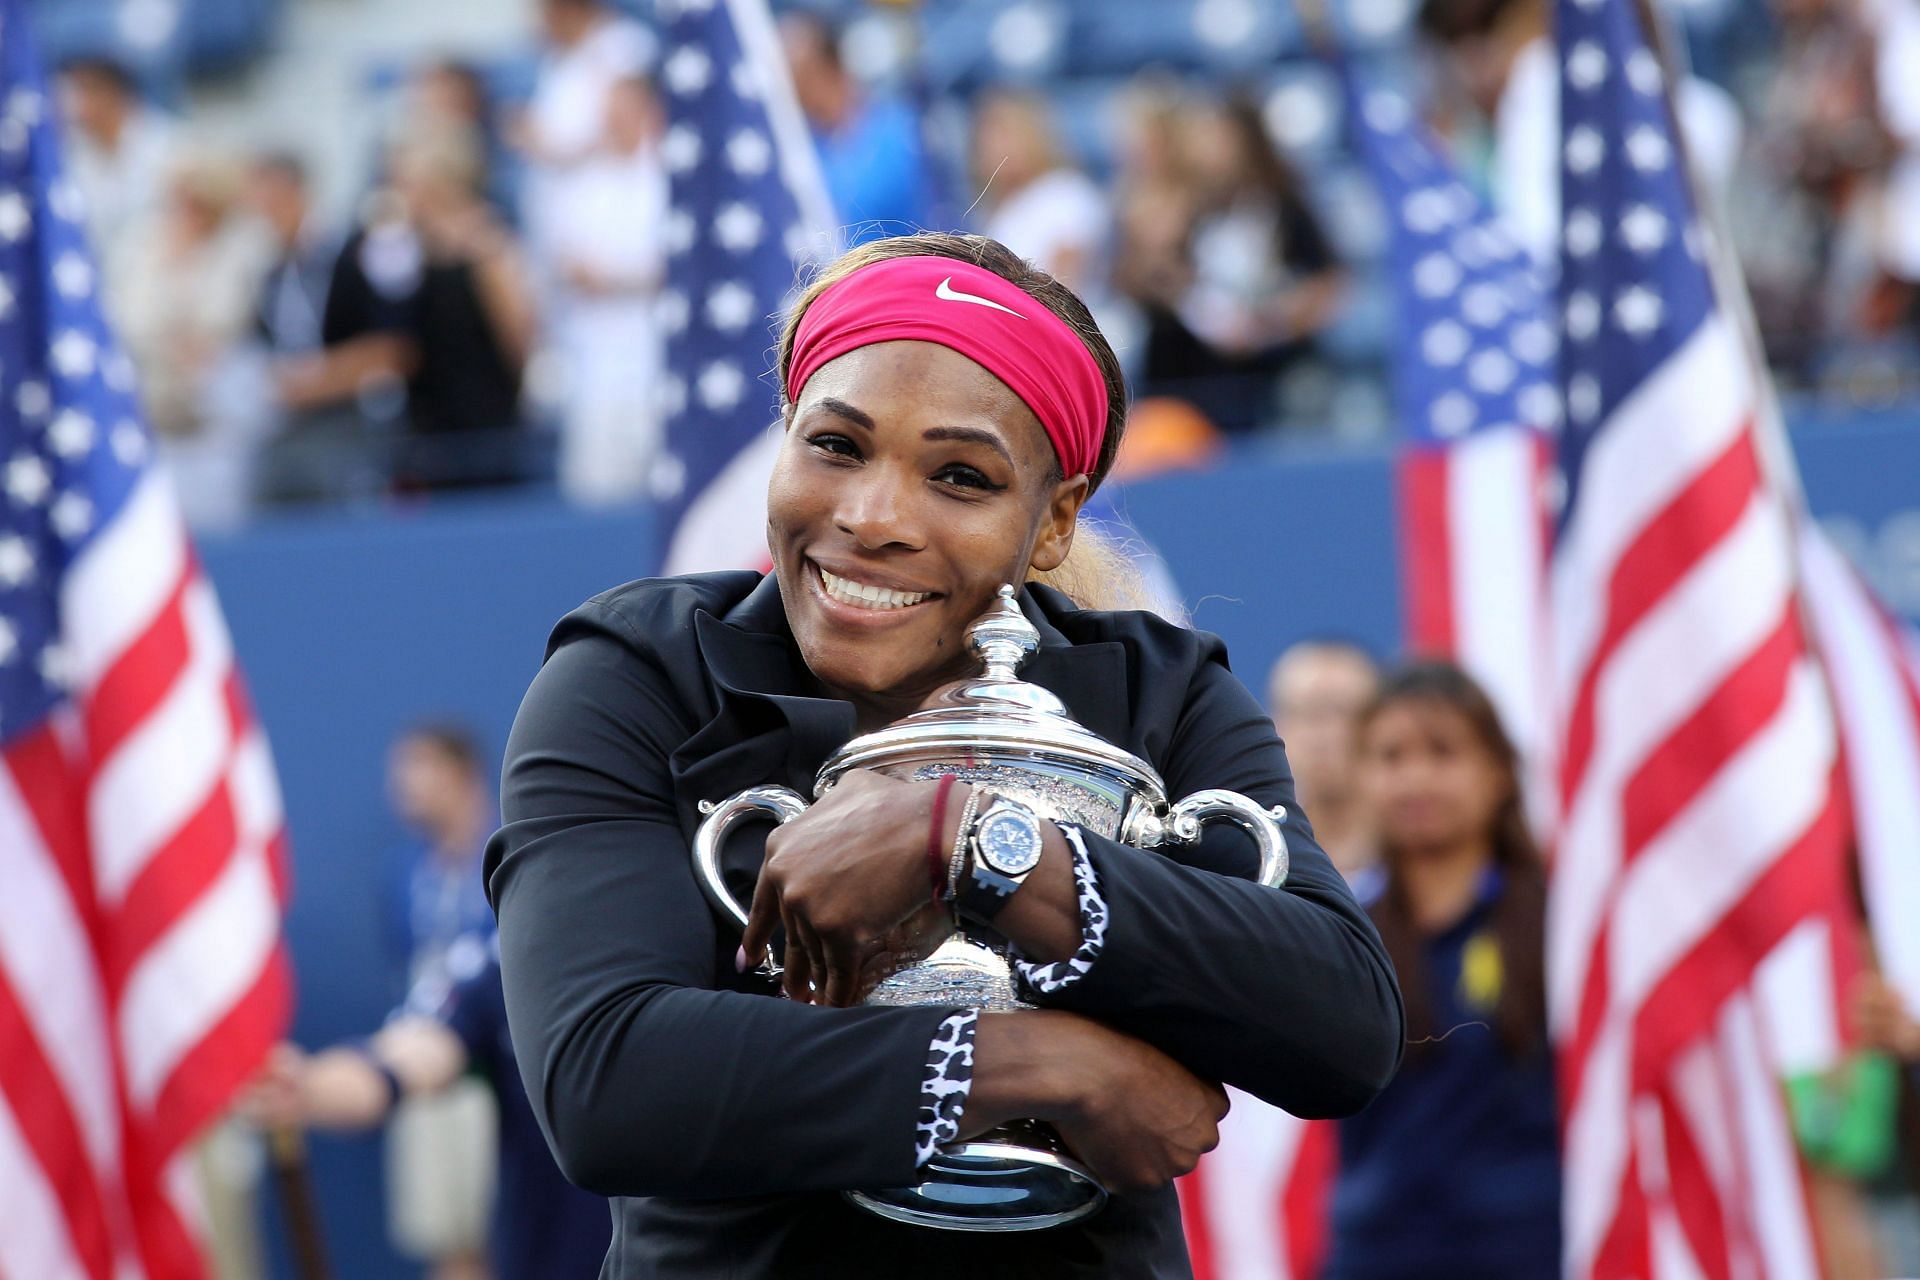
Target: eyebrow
840	408
975	435
971	435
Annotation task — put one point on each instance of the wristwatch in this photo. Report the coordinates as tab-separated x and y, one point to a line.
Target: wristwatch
1003	846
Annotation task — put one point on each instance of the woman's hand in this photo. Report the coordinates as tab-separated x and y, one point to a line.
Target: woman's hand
1130	1113
850	883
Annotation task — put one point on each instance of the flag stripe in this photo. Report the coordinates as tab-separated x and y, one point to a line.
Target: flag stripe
1682	417
1427	569
180	870
46	955
214	953
1667	548
146	791
32	1093
117	585
1798	880
1679	769
133	686
1497	532
50	806
205	1077
38	1240
1694	1193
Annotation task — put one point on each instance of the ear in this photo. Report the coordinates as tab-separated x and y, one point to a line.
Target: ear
1061	518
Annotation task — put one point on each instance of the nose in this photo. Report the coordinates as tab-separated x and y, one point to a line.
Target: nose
875	511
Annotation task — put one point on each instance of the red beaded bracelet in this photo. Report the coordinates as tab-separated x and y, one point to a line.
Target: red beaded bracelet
936	847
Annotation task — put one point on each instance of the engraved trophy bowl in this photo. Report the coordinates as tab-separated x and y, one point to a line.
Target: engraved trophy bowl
1016	739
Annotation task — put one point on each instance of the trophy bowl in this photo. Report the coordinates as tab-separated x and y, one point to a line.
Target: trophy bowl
1017	740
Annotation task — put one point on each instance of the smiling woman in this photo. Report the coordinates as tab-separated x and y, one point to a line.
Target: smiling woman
948	410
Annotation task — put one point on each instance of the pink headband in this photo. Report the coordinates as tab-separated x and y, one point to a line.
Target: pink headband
988	319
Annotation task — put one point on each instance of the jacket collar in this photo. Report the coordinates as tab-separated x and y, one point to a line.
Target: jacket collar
768	728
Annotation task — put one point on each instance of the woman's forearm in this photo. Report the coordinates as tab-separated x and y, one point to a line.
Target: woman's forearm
1042	919
1019	1071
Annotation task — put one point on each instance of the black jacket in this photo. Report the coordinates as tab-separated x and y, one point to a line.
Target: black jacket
726	1120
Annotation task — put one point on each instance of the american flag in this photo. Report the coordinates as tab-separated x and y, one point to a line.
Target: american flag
1474	379
749	210
1700	821
141	973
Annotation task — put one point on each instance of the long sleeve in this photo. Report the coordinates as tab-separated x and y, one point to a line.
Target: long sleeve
1287	993
647	1076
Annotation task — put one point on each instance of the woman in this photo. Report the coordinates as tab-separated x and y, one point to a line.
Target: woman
948	410
1261	279
1454	1170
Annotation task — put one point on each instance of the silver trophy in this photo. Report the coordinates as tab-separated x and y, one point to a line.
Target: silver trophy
1017	740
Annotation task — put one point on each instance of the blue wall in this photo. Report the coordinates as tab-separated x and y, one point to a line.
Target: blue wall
352	627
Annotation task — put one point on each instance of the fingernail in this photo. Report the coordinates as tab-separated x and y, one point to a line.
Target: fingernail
740	960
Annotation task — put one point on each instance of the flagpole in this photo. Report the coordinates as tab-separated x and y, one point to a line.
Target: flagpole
287	1154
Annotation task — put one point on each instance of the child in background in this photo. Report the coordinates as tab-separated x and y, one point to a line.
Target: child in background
1454	1171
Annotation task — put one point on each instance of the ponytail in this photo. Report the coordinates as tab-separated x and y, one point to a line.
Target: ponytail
1100	572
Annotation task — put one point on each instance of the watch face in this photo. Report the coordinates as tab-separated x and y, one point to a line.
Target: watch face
1010	843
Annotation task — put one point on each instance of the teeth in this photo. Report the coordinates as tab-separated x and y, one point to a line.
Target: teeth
866	597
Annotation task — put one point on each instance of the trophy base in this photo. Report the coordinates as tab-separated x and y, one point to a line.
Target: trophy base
1001	1181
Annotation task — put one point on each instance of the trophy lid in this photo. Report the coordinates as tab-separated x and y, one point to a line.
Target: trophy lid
994	713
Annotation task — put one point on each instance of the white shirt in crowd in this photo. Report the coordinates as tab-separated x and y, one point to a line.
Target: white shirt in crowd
567	116
123	188
609	339
1060	223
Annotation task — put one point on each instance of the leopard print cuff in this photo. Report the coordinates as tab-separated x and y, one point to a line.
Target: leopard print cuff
1045	979
944	1088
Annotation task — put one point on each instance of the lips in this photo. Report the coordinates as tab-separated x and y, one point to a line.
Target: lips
864	595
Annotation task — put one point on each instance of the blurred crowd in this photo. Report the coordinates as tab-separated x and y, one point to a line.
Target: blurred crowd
492	311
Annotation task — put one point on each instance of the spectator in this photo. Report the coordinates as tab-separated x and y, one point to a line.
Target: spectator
120	151
315	451
1317	692
432	294
453	94
1260	276
181	294
440	1158
1818	161
871	151
542	1227
439	788
1031	200
1155	208
1454	1170
605	327
590	48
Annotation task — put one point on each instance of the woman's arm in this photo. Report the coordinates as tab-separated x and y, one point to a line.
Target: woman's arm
646	1078
1286	993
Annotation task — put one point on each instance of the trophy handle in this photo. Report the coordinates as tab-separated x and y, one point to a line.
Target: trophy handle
783	803
1184	820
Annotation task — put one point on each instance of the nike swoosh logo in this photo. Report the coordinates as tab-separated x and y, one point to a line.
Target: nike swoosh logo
946	292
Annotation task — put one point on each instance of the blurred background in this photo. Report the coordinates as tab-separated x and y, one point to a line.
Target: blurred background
393	277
